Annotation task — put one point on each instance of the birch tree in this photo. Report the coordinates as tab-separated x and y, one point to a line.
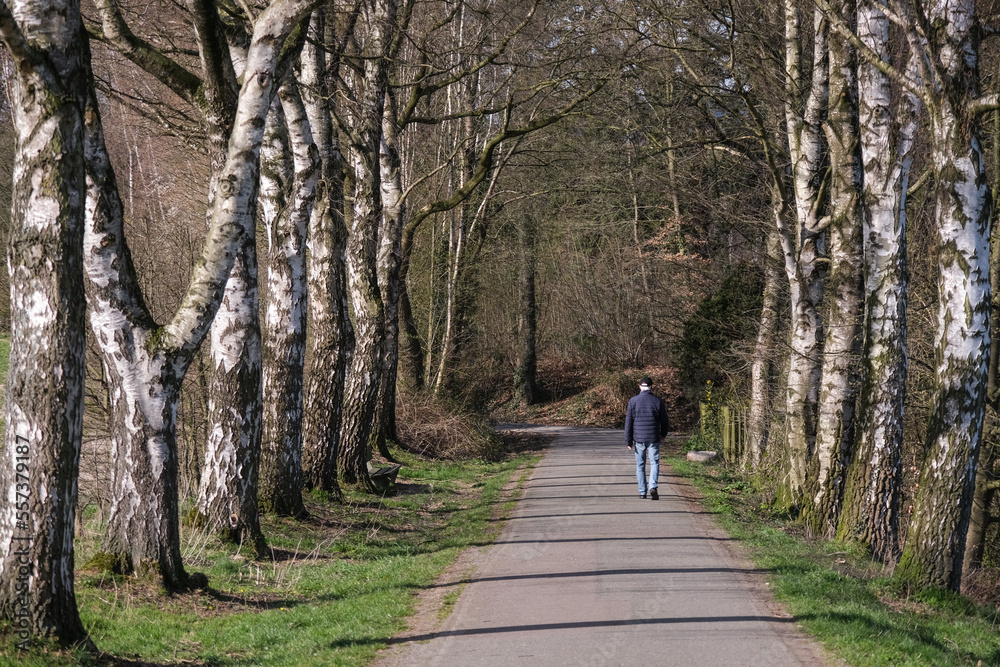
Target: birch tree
227	493
288	192
390	259
329	324
794	155
841	346
145	362
934	549
761	371
803	246
798	211
944	46
227	497
872	490
44	402
982	518
366	84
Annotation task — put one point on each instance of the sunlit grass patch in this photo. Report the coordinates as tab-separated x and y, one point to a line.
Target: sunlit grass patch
4	357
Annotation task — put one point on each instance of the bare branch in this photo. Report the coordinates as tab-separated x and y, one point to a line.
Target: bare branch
984	104
872	58
115	32
419	92
485	164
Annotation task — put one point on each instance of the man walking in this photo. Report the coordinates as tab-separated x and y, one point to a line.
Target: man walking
645	423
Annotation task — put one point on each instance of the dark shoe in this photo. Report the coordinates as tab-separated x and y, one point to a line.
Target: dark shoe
642	495
653	494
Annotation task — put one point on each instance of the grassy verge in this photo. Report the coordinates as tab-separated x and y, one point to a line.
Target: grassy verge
4	357
340	587
839	596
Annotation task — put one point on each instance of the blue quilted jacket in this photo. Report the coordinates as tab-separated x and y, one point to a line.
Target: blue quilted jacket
645	419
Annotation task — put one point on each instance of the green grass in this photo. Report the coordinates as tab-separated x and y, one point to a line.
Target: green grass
839	596
4	357
343	584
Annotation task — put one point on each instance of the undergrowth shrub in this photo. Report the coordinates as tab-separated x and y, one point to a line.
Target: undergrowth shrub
983	585
432	427
608	398
560	377
582	396
723	324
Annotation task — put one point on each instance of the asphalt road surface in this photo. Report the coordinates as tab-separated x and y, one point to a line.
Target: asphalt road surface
587	573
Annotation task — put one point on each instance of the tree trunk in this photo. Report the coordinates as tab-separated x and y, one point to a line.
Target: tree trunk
935	544
986	477
361	387
761	373
146	363
411	350
389	261
980	518
143	536
802	250
287	211
466	139
329	325
841	348
412	355
45	382
369	86
227	495
456	248
802	387
872	490
527	366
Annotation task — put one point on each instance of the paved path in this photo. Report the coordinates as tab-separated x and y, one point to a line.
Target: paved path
586	573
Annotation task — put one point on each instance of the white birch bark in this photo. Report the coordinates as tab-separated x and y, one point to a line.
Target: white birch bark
329	325
146	363
44	401
980	518
803	246
842	324
293	184
227	493
935	544
364	117
276	174
389	262
871	496
759	413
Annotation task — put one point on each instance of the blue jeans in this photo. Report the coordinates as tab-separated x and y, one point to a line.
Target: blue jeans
640	464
